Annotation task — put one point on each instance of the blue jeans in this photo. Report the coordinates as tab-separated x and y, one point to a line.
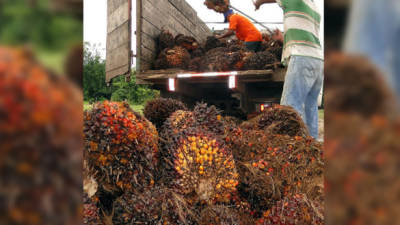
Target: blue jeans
303	83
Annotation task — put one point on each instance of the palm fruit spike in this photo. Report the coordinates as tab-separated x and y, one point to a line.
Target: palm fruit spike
187	42
166	40
120	146
282	120
208	118
158	205
212	42
221	59
176	57
176	123
91	213
292	211
160	109
259	61
220	214
203	166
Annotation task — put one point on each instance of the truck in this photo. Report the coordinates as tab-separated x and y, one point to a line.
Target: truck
235	92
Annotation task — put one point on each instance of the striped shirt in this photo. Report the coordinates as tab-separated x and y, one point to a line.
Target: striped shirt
301	29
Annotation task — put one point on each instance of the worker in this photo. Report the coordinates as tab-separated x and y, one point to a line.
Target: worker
245	30
303	55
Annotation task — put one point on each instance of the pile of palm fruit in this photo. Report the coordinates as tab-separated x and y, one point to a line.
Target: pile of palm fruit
200	167
184	52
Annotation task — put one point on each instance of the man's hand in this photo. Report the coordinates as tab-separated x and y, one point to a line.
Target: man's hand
218	36
257	4
277	36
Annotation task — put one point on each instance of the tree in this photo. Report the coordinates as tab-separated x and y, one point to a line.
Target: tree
94	75
95	88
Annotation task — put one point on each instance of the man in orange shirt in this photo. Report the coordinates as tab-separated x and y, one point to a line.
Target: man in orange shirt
244	29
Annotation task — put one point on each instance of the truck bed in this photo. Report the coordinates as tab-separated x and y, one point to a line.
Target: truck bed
159	76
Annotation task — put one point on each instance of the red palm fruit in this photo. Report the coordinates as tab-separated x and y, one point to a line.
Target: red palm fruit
121	146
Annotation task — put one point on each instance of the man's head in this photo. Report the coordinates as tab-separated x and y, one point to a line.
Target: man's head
227	15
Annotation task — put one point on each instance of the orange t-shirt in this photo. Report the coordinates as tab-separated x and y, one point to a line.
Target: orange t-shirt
245	30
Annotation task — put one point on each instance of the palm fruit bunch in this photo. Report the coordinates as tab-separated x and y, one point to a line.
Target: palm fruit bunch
213	42
166	40
220	6
283	120
295	210
259	61
272	166
220	59
176	57
158	205
160	109
187	42
120	146
273	47
40	142
91	212
204	168
256	185
203	116
195	64
197	53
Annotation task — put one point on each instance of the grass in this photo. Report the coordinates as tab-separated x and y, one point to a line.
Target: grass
54	60
321	114
136	108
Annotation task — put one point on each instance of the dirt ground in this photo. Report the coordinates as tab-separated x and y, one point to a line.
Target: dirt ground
321	129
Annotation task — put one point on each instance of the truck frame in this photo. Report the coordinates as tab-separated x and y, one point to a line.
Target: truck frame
235	92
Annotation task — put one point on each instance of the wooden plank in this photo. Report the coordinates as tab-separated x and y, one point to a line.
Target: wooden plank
118	56
185	8
118	37
164	15
117	72
118	16
154	15
150	29
149	42
148	55
113	5
118	47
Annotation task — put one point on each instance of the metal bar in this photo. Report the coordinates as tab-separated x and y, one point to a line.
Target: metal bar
258	22
269	30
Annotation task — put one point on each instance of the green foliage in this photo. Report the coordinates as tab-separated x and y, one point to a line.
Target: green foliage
95	88
33	22
47	32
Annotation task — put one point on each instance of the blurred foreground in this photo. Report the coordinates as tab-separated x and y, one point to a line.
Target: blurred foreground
362	121
40	112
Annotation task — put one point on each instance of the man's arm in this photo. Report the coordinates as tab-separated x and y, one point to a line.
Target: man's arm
227	34
258	3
